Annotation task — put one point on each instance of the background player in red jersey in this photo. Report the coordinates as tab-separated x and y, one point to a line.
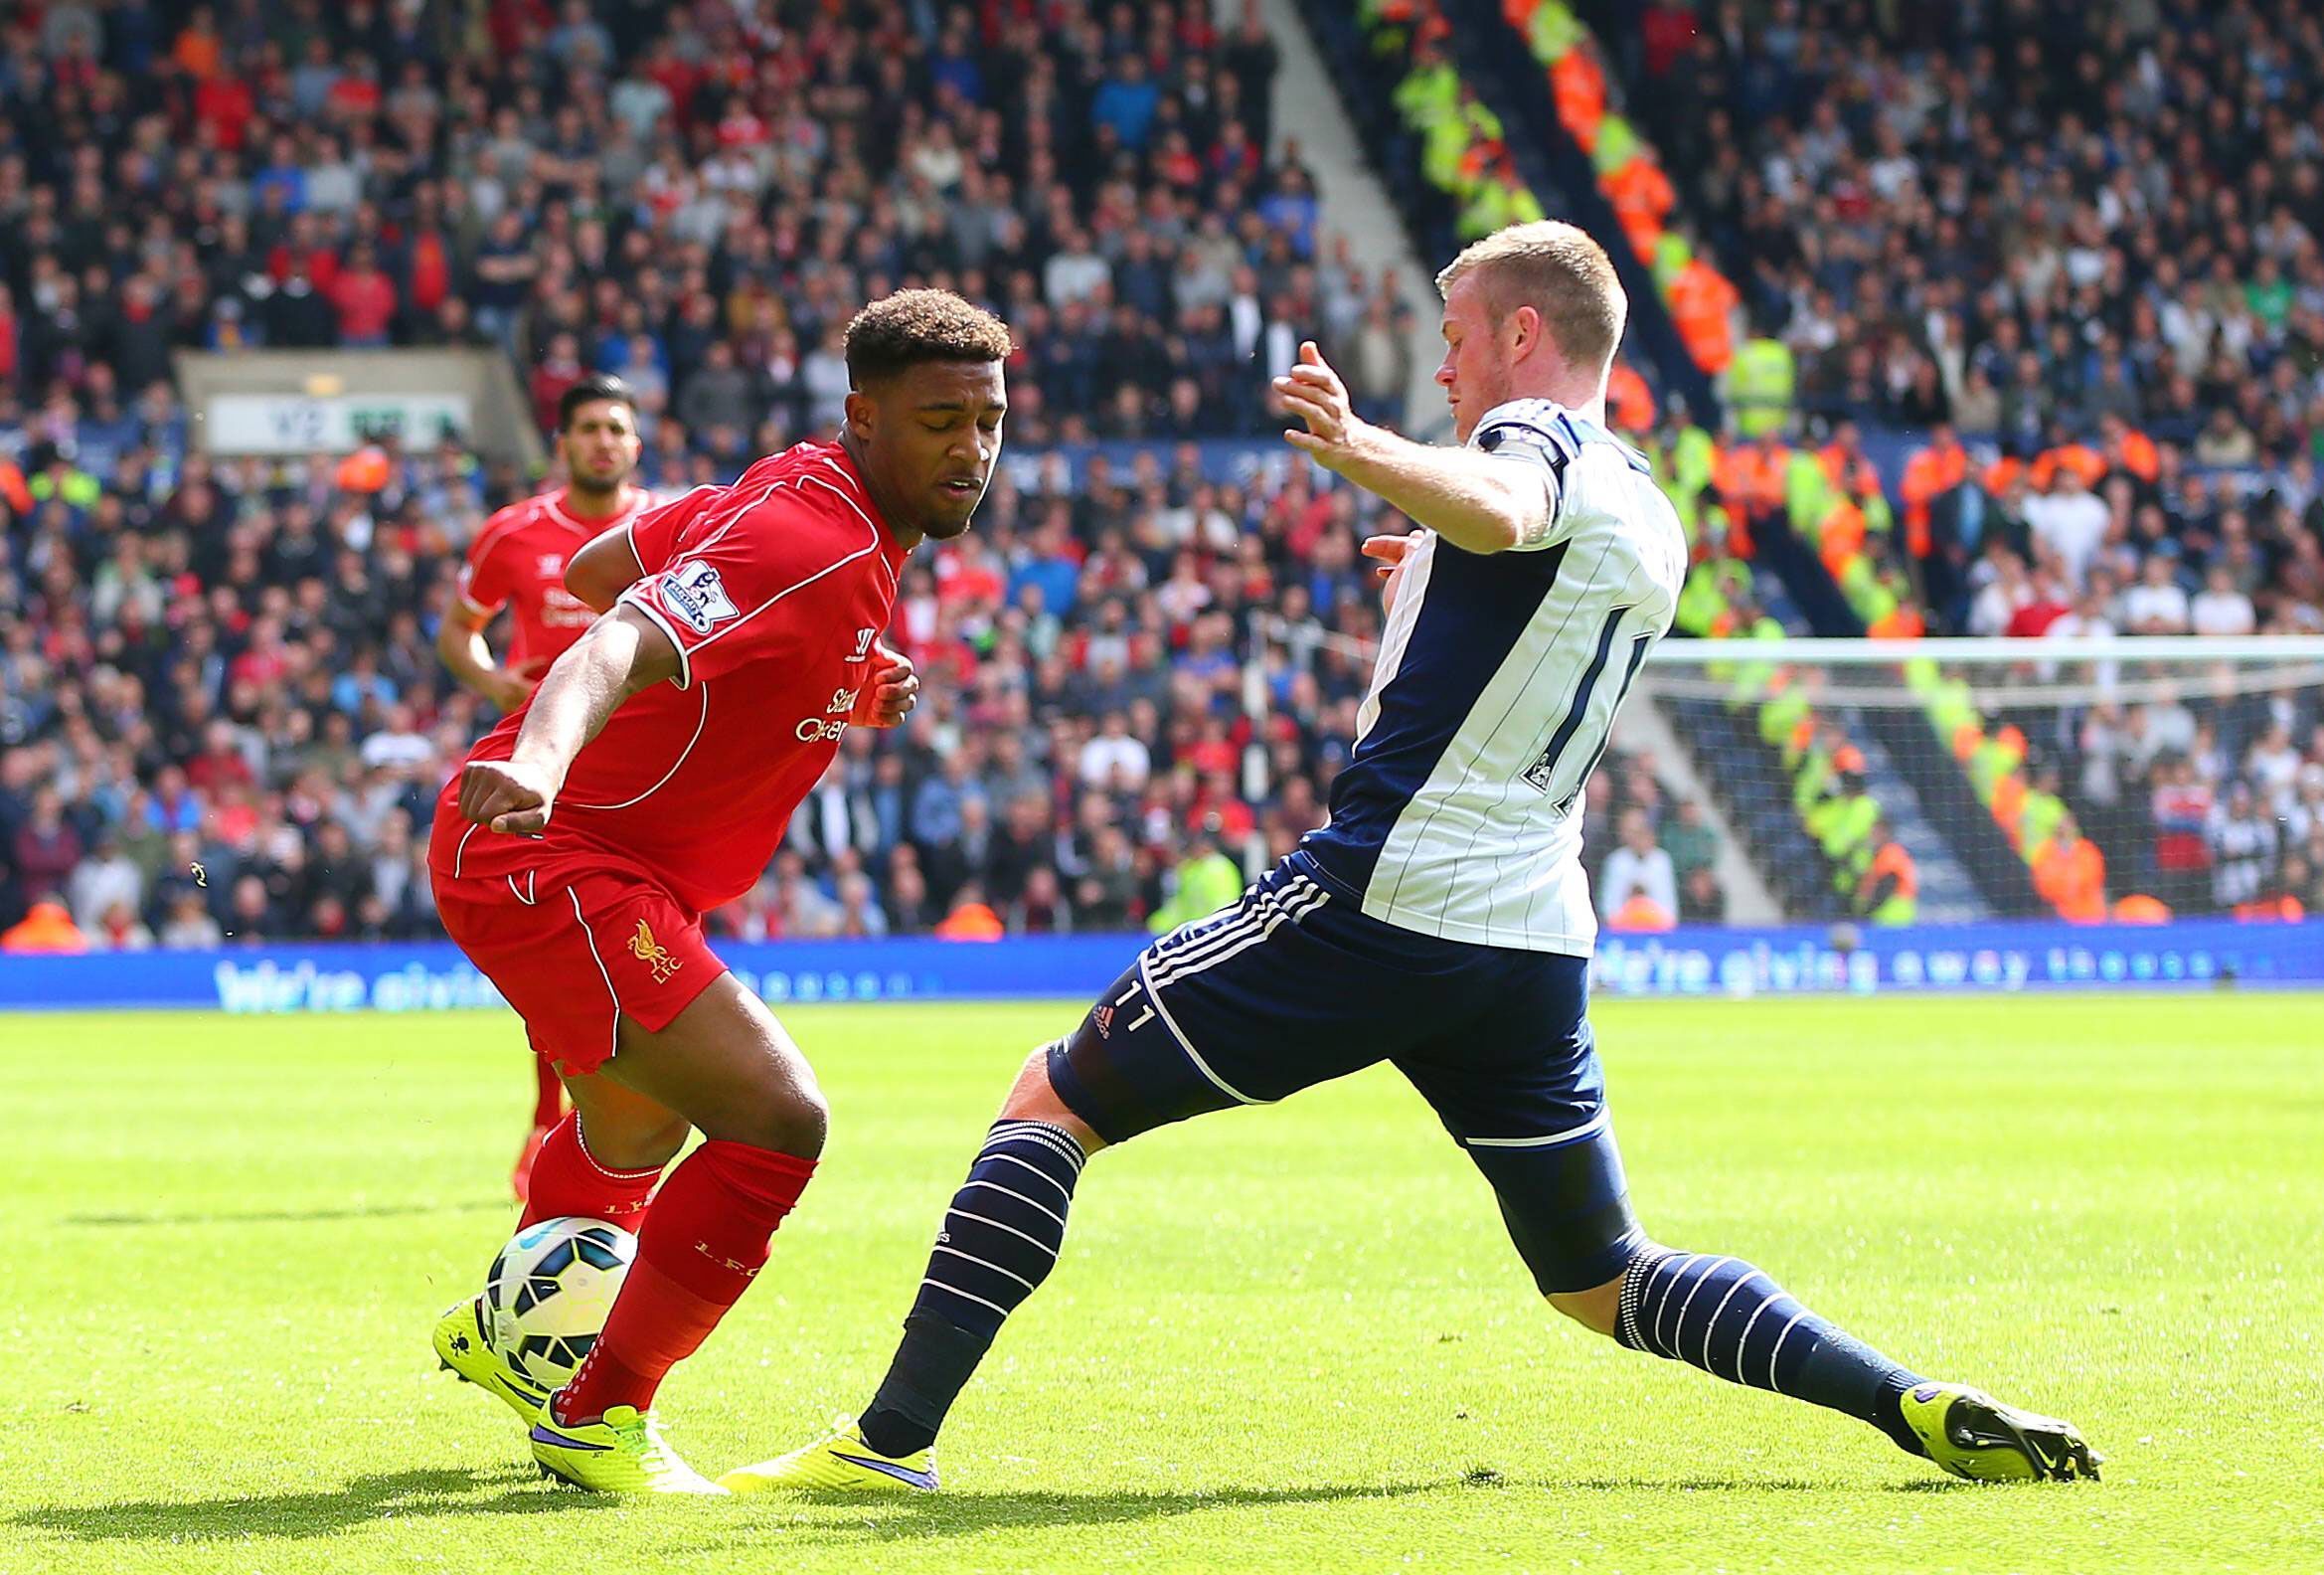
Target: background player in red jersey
651	778
518	561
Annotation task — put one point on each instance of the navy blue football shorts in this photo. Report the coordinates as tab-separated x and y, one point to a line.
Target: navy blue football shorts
1293	986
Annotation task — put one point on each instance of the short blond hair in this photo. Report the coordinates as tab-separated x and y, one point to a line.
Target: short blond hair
1558	270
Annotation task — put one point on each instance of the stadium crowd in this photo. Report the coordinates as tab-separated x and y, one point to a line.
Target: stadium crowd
2087	236
693	197
223	719
220	715
2077	253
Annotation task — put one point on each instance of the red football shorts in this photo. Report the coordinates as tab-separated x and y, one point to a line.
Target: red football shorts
576	951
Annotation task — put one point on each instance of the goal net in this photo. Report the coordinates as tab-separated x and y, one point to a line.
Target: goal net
1954	782
1880	783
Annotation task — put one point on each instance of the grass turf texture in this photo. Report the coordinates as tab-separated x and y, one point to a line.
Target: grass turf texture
1282	1339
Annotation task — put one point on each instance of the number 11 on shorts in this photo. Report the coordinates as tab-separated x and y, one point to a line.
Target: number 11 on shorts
1103	1015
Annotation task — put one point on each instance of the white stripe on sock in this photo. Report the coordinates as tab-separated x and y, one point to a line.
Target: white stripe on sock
1744	1338
1663	1306
997	1225
1778	1350
1714	1311
983	1263
939	1285
1037	1170
1057	1139
995	1186
1695	1291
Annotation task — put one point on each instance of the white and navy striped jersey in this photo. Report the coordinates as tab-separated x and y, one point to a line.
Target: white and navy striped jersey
1459	812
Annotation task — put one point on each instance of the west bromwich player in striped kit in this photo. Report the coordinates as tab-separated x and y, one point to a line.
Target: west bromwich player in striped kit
1441	921
1459	814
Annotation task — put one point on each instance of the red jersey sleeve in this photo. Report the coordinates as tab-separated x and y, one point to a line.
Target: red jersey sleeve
739	585
484	577
654	534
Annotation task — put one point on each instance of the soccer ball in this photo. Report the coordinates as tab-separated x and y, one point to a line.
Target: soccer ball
547	1295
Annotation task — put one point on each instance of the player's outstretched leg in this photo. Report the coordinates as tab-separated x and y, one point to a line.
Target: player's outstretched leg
1521	1088
725	1065
1733	1320
999	1240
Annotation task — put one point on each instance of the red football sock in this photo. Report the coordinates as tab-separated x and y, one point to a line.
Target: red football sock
548	1094
707	1238
566	1181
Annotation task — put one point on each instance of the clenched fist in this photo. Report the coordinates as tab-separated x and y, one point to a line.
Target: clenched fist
506	690
509	796
892	693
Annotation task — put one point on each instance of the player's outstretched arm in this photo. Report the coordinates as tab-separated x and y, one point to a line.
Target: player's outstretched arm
623	654
1477	502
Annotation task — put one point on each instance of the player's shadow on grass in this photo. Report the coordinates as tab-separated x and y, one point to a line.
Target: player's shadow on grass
323	1512
919	1516
1716	1484
289	1216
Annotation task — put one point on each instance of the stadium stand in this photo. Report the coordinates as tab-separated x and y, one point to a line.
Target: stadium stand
227	665
2117	285
2086	242
220	716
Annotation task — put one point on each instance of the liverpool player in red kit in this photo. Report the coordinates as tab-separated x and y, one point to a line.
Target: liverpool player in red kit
650	778
518	561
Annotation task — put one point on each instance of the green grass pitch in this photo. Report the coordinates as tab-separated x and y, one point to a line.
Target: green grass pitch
1285	1339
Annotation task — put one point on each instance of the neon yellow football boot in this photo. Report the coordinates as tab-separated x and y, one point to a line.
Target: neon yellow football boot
622	1452
462	1348
1973	1435
842	1462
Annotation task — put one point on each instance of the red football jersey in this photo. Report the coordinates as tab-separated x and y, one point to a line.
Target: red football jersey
773	591
519	558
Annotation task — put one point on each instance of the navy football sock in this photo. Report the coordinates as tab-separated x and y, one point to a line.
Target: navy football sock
1734	1322
999	1240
